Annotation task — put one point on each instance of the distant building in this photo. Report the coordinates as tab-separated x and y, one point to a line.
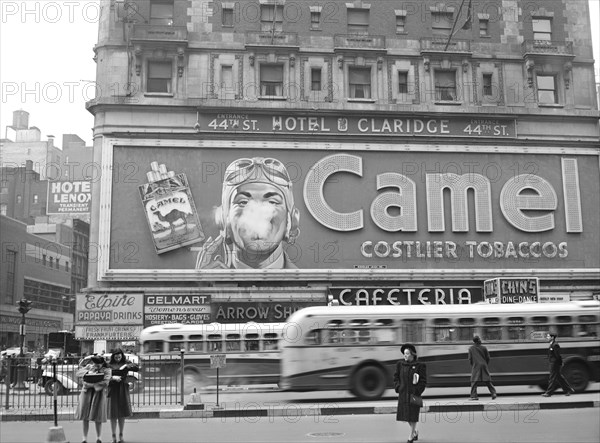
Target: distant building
22	194
40	270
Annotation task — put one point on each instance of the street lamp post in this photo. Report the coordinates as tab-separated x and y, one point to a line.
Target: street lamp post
24	307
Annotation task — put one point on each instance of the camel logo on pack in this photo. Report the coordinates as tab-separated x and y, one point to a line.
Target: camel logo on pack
170	210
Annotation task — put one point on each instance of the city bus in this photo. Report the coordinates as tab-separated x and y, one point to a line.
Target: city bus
251	353
356	348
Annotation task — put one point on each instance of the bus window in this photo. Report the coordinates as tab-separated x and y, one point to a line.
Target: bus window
334	324
539	320
176	343
270	341
443	330
383	335
214	343
516	328
233	342
313	337
412	331
251	342
195	343
364	336
491	329
333	335
587	328
349	336
152	346
384	322
358	322
466	329
564	329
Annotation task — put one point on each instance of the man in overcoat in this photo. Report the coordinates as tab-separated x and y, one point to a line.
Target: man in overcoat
479	358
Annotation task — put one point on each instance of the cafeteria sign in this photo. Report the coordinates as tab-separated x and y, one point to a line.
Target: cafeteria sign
511	290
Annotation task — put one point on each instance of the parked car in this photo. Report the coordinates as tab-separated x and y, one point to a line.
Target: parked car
67	380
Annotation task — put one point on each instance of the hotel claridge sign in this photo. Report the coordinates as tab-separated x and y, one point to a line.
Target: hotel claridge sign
262	156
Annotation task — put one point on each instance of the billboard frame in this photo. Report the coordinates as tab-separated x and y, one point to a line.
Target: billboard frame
106	273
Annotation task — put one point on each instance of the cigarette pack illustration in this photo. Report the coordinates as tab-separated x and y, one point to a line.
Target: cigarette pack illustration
170	210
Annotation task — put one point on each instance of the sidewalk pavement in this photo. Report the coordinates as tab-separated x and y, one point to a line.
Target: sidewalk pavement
274	408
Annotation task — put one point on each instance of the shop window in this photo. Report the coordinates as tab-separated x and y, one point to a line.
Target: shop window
315	79
271	80
542	29
161	12
159	77
271	18
358	21
227	18
487	85
547	93
445	85
359	80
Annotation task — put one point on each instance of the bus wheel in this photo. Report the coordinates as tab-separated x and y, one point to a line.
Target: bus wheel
192	379
577	375
368	383
49	388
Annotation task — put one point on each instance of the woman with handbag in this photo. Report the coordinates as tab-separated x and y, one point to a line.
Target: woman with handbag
92	400
410	380
119	402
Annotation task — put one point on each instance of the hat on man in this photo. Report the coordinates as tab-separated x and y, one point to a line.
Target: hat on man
410	347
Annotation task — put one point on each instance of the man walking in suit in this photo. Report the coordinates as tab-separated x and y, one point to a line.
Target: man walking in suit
479	357
555	362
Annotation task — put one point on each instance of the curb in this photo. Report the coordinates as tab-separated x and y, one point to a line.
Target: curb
294	410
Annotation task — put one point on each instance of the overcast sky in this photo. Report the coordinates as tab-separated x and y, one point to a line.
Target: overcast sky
47	67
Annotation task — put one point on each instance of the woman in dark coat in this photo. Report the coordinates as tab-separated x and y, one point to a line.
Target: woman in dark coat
119	402
92	400
410	378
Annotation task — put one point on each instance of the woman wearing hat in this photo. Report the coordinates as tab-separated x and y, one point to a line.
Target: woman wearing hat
92	400
410	378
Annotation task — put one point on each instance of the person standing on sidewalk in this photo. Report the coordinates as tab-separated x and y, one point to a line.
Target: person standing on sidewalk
410	379
119	402
479	358
92	400
555	362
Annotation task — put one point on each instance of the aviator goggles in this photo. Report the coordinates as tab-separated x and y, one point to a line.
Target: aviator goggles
251	169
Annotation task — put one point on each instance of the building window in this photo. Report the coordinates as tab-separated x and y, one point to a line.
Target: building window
226	77
159	77
19	199
36	199
11	266
484	27
358	21
400	24
67	265
542	29
547	93
161	13
441	22
271	80
51	265
445	85
3	208
402	82
271	18
43	259
487	85
315	19
315	79
227	18
359	80
4	188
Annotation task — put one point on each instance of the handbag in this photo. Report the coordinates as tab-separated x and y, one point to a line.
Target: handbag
416	400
